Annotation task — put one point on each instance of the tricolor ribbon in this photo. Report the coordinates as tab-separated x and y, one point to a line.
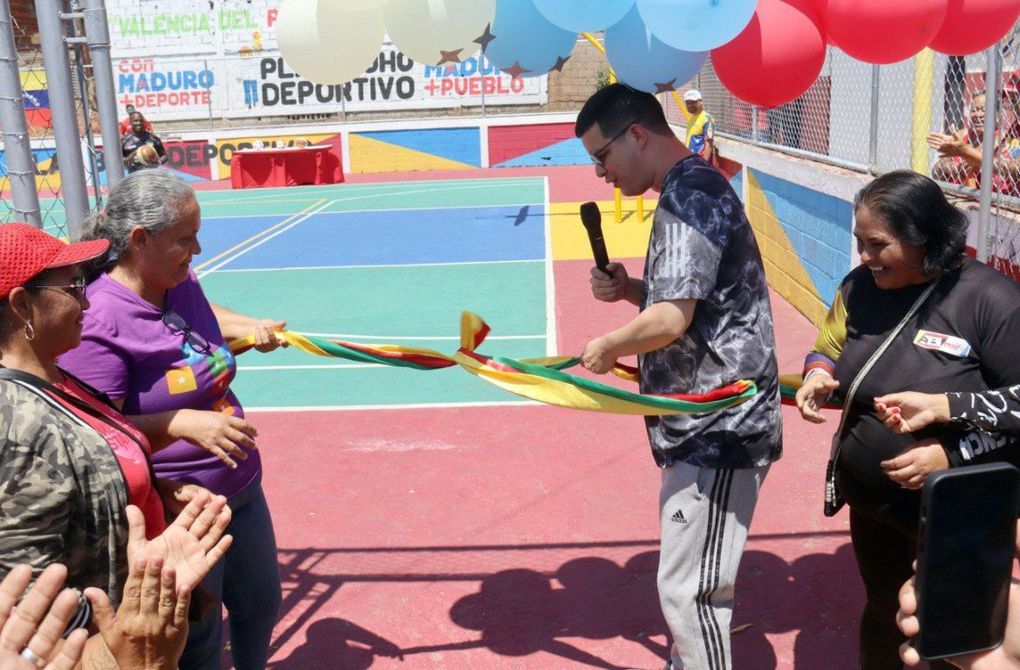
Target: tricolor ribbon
540	379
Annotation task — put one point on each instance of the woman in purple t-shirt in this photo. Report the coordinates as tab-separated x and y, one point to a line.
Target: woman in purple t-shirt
153	343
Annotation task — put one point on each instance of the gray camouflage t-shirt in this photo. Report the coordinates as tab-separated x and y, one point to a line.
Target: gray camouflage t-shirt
702	248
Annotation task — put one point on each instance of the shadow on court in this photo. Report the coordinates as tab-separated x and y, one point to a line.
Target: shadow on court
518	612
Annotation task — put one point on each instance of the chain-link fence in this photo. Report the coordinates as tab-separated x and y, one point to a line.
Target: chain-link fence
40	127
926	114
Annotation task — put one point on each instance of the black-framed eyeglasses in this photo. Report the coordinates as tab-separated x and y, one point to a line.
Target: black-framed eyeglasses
595	156
75	289
179	326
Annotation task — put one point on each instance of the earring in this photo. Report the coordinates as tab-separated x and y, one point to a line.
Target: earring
29	331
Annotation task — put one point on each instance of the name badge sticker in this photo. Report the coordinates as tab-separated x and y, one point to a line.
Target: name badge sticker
947	344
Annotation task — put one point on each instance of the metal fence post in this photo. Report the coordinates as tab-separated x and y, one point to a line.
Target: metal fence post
76	40
988	151
65	122
14	126
876	81
97	36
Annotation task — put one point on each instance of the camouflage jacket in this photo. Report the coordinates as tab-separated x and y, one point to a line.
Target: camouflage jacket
62	492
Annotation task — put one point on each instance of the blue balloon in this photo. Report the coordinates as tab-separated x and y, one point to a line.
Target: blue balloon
525	38
645	62
697	25
584	16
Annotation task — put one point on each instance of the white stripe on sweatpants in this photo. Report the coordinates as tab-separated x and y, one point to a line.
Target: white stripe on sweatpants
704	515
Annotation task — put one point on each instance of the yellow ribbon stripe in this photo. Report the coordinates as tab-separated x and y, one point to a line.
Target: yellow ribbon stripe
539	379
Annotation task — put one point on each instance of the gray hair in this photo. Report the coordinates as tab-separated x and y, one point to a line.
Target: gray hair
150	199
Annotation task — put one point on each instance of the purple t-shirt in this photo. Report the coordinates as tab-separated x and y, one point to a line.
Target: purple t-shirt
127	352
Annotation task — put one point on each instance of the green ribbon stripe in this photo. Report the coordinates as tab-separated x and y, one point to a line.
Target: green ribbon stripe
657	402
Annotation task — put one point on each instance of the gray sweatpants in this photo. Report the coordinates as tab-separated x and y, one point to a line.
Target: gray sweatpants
704	515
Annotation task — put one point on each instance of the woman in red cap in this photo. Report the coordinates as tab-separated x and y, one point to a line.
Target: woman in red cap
77	488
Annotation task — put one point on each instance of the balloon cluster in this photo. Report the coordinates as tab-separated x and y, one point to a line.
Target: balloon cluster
765	52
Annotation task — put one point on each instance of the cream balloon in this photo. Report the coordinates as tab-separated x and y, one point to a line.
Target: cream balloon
357	5
438	31
325	44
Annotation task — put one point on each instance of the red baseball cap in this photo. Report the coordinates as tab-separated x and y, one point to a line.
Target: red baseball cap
25	251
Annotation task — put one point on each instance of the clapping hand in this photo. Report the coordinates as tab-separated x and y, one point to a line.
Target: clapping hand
952	144
150	627
190	545
30	629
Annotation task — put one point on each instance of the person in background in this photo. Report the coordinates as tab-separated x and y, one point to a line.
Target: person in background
155	345
125	123
700	126
140	147
961	153
944	320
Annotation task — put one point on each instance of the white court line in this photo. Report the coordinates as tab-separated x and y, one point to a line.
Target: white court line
391	188
550	286
258	244
428	405
390	265
368	196
389	209
444	338
277	197
326	366
441	184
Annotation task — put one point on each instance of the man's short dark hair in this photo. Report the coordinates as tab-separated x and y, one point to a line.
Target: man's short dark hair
918	213
616	106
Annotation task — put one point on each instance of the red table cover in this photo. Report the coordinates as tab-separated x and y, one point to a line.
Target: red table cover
292	166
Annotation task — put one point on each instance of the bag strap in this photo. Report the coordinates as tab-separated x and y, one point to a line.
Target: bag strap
856	383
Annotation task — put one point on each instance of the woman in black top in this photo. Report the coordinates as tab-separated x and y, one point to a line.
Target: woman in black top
910	240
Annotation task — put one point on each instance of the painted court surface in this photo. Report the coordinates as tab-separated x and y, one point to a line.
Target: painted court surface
428	520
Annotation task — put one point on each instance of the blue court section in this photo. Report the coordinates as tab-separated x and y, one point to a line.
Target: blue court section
400	275
390	237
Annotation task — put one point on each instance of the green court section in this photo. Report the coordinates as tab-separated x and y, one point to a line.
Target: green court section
386	302
351	197
367	197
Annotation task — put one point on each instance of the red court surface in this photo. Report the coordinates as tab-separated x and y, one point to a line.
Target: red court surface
525	537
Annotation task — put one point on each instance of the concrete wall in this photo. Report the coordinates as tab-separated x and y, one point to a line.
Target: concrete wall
802	215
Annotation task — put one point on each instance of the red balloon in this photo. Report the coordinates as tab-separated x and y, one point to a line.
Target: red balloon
776	57
975	25
883	31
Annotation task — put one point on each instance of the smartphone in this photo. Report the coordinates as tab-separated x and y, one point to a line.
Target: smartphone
965	558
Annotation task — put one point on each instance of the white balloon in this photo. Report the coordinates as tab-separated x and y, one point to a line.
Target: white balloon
357	5
434	31
325	44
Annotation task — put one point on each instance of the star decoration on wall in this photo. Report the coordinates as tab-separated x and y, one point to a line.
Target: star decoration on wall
449	57
486	37
560	62
515	70
665	87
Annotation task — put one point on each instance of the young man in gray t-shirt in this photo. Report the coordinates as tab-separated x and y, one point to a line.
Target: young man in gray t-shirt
704	321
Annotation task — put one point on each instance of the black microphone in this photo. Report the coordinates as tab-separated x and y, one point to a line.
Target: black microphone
592	220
